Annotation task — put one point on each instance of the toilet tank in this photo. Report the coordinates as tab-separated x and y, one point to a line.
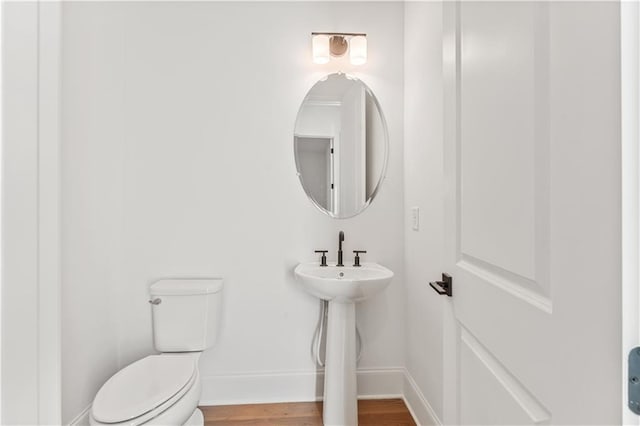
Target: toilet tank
186	314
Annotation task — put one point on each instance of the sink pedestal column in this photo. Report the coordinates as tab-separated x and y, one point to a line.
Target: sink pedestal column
340	385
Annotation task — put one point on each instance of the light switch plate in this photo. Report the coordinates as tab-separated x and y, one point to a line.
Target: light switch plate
415	218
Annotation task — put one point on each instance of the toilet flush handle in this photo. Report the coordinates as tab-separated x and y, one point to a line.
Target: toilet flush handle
155	301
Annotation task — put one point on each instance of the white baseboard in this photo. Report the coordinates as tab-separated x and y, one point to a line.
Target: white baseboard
418	406
380	383
81	419
294	386
260	388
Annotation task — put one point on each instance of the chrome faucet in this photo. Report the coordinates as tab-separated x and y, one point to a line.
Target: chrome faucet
340	240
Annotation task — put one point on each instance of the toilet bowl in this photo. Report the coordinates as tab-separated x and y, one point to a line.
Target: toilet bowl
158	389
165	389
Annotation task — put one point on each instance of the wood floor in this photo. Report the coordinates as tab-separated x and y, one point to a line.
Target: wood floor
378	412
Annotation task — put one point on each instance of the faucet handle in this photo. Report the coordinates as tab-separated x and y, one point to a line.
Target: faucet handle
356	260
323	259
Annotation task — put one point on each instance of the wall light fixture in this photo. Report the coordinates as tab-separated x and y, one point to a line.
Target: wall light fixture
326	45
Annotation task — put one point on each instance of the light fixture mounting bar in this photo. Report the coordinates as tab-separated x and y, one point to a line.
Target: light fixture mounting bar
340	34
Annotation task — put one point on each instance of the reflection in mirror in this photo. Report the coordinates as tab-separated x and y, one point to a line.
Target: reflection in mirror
340	144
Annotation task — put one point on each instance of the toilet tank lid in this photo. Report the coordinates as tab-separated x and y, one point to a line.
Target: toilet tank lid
186	286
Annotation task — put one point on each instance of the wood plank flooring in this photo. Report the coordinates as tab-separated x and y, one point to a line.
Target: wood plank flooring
371	412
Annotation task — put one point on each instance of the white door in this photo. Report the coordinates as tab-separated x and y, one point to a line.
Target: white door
532	165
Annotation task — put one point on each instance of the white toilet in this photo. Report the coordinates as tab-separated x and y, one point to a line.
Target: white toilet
165	389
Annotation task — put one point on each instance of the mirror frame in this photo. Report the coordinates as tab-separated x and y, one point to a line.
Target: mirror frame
383	171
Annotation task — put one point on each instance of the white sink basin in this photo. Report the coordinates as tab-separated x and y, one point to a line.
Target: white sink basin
344	284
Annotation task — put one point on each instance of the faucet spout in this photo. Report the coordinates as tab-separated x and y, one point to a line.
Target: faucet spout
340	240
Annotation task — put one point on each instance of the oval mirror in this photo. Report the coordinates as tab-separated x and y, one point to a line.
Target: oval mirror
340	145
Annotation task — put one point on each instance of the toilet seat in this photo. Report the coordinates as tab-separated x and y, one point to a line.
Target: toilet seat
144	389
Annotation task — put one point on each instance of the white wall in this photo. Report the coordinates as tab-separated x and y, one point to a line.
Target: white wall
423	173
178	150
317	119
92	186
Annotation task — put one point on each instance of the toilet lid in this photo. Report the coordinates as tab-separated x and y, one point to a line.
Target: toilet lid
142	386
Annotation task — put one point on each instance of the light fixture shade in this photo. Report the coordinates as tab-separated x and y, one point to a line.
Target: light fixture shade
320	48
358	50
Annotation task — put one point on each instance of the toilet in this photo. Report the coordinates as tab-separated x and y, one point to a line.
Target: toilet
165	389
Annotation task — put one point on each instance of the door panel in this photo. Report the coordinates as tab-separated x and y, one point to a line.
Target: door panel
510	402
502	194
497	121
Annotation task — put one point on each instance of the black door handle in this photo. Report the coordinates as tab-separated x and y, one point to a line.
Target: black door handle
443	287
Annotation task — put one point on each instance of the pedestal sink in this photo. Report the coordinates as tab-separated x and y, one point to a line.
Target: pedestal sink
342	287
